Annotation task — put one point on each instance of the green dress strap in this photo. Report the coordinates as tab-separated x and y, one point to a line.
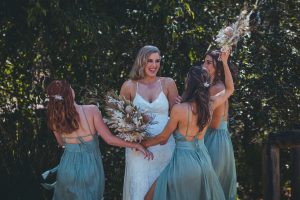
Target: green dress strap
188	124
86	120
80	137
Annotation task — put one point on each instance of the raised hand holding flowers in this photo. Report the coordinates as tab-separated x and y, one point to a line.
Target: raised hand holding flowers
229	36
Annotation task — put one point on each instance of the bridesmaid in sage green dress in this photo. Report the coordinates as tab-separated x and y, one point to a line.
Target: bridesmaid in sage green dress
80	174
190	174
217	138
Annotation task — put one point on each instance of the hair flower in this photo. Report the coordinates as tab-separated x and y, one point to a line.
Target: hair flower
57	97
206	84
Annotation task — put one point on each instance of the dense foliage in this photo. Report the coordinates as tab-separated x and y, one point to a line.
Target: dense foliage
93	44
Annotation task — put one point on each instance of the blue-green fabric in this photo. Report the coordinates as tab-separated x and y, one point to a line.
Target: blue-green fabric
189	175
219	146
80	174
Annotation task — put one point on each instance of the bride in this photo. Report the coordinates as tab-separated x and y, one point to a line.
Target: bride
155	95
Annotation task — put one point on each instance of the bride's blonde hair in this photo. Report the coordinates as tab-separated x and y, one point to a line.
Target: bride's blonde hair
137	71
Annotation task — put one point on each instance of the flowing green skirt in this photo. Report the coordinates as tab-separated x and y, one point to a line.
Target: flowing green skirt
80	174
219	146
189	175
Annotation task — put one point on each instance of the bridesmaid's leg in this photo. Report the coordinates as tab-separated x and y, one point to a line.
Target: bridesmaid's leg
149	195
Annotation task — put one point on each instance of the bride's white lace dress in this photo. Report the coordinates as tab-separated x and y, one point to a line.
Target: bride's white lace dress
140	173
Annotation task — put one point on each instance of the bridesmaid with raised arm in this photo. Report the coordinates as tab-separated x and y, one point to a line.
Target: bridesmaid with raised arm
190	174
217	138
80	173
155	95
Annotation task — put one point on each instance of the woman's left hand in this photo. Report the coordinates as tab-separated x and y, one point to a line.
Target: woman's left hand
148	154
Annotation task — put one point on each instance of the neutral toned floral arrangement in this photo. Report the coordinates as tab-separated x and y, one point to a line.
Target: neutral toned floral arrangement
125	119
230	35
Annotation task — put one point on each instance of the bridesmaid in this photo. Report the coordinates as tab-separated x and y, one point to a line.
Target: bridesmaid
217	138
80	173
190	174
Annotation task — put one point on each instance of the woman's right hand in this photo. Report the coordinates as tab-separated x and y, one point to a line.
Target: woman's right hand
148	154
224	56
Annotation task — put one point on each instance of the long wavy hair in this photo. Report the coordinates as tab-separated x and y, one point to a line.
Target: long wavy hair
137	71
219	68
61	112
197	90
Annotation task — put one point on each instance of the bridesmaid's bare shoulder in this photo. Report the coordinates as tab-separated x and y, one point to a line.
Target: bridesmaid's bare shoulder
90	108
216	88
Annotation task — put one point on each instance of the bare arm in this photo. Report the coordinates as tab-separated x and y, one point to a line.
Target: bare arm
172	91
109	138
125	90
168	130
58	138
229	87
105	133
217	89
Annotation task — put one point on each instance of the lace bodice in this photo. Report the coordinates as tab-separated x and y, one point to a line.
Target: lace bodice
140	173
159	106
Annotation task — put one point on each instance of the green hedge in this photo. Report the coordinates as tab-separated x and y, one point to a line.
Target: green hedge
93	44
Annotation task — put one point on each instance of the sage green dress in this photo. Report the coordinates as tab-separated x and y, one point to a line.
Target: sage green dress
190	174
219	146
80	174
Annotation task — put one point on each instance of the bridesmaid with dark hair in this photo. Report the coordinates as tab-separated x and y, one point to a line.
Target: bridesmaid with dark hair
80	173
190	174
217	138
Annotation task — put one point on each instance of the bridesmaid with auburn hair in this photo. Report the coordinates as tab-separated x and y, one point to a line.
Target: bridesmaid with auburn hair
80	173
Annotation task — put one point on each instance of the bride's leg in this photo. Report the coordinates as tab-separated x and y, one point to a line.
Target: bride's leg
149	195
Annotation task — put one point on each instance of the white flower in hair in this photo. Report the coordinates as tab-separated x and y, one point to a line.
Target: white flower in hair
206	84
57	97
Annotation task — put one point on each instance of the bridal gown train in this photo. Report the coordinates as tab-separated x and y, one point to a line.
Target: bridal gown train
140	173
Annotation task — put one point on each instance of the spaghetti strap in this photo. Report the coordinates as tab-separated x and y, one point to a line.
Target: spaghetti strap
86	120
188	125
137	87
79	137
225	108
187	128
161	87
